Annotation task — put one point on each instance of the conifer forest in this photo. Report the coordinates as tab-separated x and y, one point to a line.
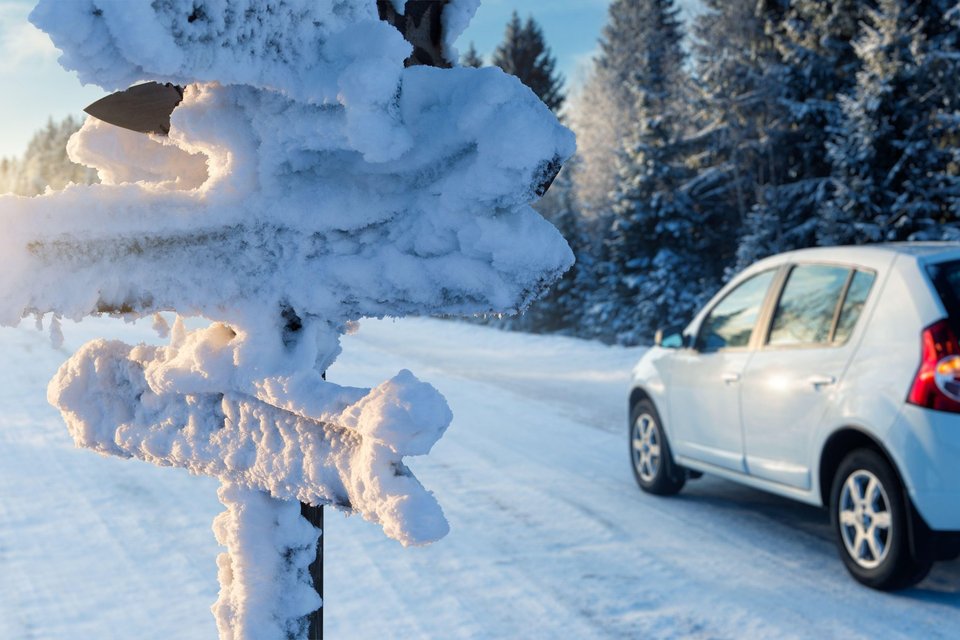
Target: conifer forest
704	145
756	128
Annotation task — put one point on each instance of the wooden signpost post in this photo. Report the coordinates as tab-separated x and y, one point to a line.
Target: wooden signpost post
314	515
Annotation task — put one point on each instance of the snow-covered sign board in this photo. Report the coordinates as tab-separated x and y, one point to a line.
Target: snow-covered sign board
309	178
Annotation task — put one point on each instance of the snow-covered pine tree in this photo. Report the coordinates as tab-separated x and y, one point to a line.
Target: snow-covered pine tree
45	162
471	58
894	154
743	117
942	25
816	63
939	18
654	268
9	170
560	309
525	54
604	107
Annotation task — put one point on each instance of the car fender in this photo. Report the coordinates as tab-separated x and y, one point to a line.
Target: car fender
650	379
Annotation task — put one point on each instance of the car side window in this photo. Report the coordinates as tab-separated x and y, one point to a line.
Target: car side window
808	305
853	304
730	323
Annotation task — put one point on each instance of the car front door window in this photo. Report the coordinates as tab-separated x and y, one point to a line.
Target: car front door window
731	323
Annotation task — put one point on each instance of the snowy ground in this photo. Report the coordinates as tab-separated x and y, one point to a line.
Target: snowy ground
550	539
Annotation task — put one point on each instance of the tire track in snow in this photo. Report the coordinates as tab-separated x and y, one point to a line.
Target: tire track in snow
551	538
506	459
92	539
748	550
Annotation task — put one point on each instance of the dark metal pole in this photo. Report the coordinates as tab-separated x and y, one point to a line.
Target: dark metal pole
421	25
314	516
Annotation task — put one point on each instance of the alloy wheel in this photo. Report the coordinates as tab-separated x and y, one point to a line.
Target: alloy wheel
866	523
646	447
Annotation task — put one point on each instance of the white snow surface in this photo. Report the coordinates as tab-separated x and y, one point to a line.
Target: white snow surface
550	536
456	18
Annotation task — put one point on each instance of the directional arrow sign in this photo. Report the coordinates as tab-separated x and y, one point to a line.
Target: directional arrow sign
347	455
145	108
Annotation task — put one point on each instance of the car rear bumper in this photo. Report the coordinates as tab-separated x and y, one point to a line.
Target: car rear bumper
926	445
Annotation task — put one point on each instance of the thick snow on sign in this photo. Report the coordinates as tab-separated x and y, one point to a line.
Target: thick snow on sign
308	180
306	170
319	173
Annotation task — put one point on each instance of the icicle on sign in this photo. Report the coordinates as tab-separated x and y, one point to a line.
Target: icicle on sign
311	176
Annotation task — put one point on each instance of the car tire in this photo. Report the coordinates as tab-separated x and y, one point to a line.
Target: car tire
873	524
650	456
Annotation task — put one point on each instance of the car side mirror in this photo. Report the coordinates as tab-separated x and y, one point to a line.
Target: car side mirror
672	341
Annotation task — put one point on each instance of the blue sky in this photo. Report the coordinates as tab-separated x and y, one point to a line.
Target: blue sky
34	87
571	28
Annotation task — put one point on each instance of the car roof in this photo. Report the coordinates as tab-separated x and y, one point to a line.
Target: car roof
880	256
867	255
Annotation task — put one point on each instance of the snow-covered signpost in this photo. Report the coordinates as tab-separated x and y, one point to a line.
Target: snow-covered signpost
309	178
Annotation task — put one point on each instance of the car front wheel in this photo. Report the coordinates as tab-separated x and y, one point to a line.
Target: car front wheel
870	516
653	465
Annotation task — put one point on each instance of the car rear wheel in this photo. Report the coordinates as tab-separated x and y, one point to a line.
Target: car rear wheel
870	517
652	462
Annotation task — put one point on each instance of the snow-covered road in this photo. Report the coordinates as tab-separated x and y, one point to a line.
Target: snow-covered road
550	536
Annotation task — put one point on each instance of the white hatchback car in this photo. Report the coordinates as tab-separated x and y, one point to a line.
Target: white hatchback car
831	376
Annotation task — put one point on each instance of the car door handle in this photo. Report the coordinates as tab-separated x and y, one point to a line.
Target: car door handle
821	381
730	378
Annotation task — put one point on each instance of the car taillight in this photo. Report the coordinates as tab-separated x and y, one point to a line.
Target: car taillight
937	384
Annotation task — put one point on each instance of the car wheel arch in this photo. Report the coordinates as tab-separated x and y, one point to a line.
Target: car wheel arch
841	443
639	394
636	395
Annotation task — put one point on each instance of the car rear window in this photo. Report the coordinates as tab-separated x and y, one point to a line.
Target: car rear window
946	280
853	304
819	305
